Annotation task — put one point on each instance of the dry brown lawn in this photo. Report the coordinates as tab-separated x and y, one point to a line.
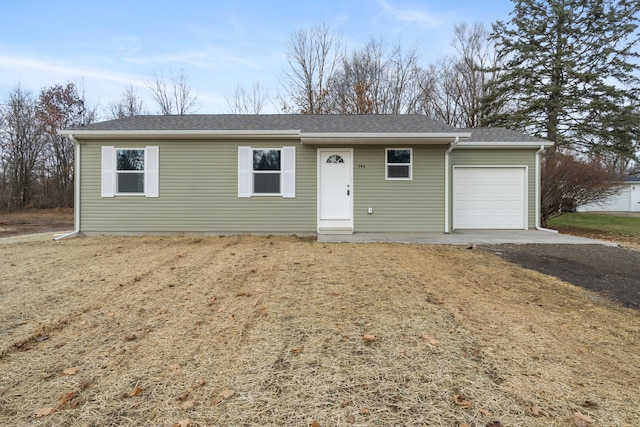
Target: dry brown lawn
246	330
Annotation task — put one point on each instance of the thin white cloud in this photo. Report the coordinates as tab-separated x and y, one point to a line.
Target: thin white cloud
190	58
201	59
23	65
409	16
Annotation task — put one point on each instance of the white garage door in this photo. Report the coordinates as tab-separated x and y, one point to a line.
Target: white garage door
489	198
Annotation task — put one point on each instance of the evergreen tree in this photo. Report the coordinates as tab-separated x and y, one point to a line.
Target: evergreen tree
571	73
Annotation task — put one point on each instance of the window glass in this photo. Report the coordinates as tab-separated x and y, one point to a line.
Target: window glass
130	160
398	163
266	160
266	171
397	171
398	156
130	171
130	183
266	183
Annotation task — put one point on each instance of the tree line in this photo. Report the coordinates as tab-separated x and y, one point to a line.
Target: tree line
563	70
36	164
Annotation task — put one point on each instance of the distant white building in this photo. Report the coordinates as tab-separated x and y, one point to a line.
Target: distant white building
625	200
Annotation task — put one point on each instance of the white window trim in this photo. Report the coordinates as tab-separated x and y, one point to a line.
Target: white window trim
110	173
117	172
387	164
270	172
287	172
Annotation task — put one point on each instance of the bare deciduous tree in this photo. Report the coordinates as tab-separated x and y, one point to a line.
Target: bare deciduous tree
175	96
61	107
130	104
21	145
244	101
356	85
461	80
569	182
403	81
312	58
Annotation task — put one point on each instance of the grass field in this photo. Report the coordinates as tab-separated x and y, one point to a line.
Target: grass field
285	331
623	229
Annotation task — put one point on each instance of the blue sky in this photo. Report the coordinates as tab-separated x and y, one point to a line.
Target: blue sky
106	46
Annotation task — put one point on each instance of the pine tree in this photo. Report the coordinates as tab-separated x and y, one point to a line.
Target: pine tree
571	73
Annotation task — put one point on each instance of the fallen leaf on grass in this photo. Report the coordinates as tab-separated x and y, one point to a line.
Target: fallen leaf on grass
369	337
432	342
589	404
174	367
187	405
129	337
365	411
295	351
224	395
85	384
70	371
461	400
45	412
315	424
582	420
485	412
537	411
495	424
351	419
182	423
67	397
135	392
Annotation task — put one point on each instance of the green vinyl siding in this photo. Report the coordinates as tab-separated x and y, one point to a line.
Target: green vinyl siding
198	190
500	157
198	186
415	205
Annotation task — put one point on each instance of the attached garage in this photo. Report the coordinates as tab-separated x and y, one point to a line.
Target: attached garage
492	197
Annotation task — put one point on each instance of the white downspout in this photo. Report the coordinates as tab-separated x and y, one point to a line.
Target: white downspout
76	191
538	199
446	183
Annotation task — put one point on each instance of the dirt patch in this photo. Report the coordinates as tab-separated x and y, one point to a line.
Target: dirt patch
245	330
13	223
612	271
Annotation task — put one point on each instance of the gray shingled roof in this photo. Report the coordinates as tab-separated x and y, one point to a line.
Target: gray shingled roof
306	123
500	135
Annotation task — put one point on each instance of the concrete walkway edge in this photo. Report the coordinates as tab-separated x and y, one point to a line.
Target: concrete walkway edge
465	237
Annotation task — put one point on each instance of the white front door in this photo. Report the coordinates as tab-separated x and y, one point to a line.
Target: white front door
335	192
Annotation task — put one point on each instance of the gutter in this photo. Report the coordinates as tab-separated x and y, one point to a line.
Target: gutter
380	138
188	133
538	199
446	183
76	191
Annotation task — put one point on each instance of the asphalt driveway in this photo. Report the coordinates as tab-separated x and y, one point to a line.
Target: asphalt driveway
610	270
596	265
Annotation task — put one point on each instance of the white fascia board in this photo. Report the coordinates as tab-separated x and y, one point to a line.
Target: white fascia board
190	134
503	144
417	138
